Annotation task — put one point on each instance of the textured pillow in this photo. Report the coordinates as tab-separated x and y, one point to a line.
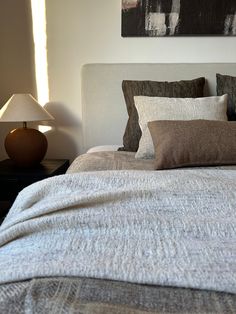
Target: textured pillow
227	85
163	108
193	143
187	88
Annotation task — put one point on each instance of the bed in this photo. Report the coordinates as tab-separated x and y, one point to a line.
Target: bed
115	235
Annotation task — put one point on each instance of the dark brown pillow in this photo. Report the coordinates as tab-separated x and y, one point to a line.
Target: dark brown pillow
193	143
226	84
184	89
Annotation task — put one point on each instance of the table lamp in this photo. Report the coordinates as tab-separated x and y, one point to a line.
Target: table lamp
25	146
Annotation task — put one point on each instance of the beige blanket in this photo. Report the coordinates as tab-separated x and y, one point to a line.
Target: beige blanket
119	160
172	228
110	161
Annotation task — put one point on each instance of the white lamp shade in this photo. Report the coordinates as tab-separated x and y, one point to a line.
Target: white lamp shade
23	108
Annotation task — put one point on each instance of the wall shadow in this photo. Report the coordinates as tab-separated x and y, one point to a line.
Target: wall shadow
17	57
62	142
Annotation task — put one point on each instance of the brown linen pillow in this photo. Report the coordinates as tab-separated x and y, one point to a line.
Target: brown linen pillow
193	143
184	89
226	84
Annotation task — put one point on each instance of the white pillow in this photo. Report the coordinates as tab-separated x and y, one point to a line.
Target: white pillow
164	108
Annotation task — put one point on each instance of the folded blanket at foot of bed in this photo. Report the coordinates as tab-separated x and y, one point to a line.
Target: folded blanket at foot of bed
96	296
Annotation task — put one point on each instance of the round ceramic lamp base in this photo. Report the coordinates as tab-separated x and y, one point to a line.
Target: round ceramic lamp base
26	146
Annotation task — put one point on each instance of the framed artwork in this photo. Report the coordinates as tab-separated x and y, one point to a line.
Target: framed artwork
151	18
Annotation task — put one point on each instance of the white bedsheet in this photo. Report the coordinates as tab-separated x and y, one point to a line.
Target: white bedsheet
103	148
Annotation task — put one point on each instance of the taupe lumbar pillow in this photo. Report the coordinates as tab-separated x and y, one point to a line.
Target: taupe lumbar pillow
164	108
193	143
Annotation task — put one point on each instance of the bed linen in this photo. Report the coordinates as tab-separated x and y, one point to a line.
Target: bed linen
97	296
28	291
136	226
119	160
103	148
109	160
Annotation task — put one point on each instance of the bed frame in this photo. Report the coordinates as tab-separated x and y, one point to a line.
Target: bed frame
104	110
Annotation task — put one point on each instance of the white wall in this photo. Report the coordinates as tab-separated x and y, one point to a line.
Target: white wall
89	31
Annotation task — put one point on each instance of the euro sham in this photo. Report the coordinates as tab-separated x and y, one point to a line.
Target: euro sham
226	84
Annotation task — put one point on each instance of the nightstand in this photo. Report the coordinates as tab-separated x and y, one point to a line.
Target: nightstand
13	179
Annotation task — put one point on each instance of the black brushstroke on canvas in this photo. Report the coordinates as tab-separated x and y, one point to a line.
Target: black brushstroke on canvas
195	17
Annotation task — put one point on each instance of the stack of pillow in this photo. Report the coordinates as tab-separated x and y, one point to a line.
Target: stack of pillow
173	123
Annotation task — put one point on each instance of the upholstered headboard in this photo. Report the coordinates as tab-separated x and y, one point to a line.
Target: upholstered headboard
104	109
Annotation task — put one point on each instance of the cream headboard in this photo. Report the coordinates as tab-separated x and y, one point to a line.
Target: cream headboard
104	110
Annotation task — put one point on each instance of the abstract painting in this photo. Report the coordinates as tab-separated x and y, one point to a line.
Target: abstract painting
150	18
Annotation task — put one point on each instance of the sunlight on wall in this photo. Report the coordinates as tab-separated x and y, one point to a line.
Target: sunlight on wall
40	46
44	128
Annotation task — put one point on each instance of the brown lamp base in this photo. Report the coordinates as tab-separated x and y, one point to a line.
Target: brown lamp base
26	146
